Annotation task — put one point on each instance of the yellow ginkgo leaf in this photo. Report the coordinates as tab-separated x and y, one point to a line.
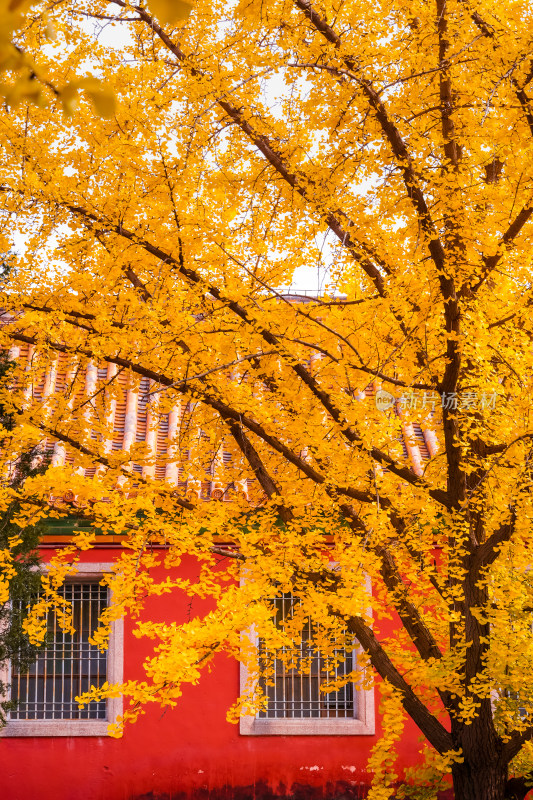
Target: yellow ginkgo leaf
103	100
170	10
14	5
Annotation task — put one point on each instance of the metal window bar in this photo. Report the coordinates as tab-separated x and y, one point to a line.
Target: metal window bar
68	665
292	683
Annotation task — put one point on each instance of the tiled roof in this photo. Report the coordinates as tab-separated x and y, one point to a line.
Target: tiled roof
132	417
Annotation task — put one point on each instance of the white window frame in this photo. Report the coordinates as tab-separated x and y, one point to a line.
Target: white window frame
364	724
115	664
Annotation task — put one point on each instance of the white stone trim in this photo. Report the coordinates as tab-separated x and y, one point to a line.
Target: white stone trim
115	668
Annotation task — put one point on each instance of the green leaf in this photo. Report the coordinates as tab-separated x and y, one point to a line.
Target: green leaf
170	10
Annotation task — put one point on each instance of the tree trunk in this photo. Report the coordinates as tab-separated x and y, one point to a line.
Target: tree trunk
487	782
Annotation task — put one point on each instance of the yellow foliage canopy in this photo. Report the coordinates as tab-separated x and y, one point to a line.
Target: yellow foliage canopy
385	152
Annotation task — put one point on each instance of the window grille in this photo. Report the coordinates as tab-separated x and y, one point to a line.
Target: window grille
292	683
67	666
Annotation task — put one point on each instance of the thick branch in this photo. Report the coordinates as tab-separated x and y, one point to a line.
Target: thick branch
491	262
432	729
488	552
419	633
516	742
260	471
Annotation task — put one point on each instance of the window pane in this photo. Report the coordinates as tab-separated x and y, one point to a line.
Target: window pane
68	666
292	684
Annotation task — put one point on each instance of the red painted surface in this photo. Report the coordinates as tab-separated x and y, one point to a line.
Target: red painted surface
190	751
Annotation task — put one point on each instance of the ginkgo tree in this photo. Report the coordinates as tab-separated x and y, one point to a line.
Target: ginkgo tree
388	146
28	31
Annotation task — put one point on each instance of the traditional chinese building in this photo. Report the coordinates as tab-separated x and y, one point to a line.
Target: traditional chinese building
305	744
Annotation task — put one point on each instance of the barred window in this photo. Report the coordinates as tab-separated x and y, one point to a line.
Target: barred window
68	665
292	682
292	679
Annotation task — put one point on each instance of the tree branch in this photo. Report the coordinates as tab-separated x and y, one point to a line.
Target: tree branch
305	376
260	471
436	249
239	417
486	553
222	408
358	250
98	459
433	730
516	742
490	262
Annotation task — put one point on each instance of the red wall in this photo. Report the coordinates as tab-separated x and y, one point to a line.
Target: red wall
188	751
